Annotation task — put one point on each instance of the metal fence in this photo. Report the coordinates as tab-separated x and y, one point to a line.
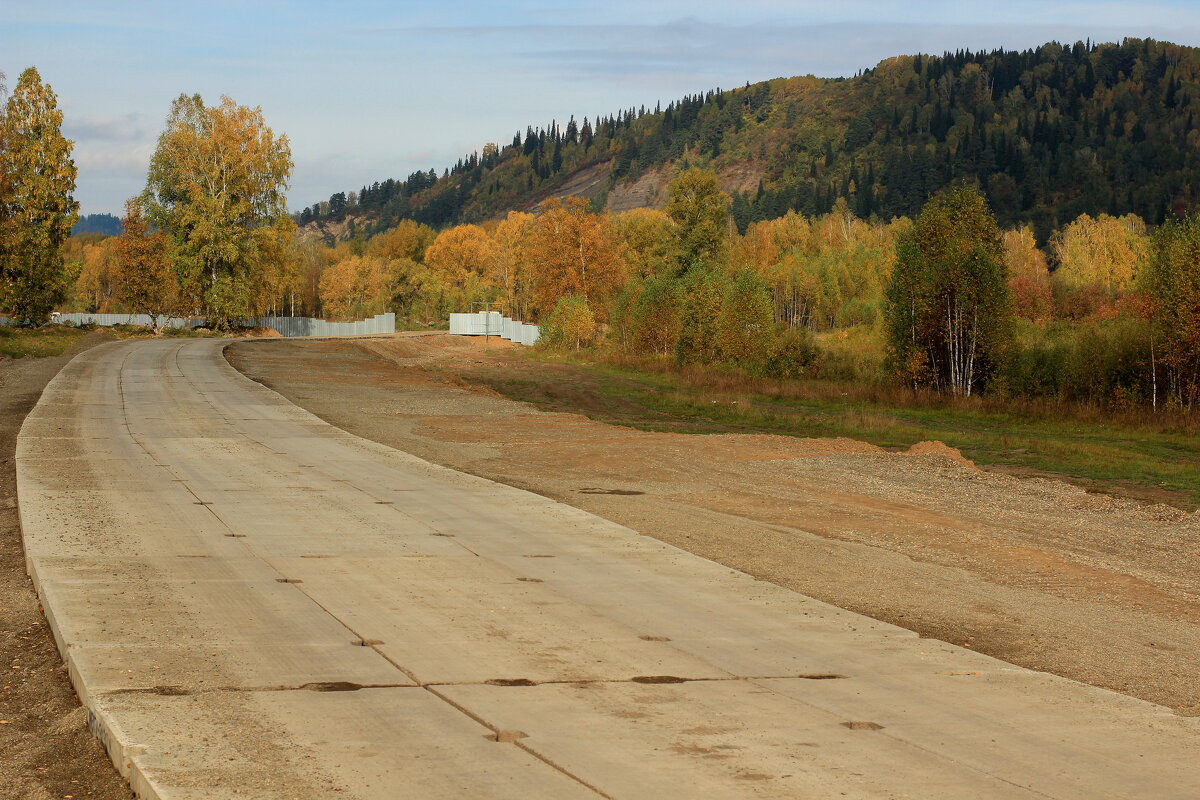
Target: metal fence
287	326
308	326
493	323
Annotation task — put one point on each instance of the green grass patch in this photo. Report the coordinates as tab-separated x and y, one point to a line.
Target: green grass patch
1148	458
52	340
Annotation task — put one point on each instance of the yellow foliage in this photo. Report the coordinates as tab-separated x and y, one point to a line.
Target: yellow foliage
509	270
356	287
1028	274
461	253
1102	251
645	233
95	286
408	239
820	269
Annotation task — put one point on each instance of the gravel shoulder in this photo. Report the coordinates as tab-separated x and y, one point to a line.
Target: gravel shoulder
48	750
1037	572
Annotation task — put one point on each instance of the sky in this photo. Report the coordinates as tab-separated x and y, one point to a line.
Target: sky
371	90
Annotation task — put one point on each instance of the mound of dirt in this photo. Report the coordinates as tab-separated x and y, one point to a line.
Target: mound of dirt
936	448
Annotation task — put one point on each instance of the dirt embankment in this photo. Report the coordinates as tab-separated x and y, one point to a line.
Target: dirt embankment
48	751
1036	572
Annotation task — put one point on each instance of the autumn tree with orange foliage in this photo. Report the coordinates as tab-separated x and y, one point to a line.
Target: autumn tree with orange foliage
146	282
356	287
461	258
409	239
573	252
94	266
1028	275
510	268
461	252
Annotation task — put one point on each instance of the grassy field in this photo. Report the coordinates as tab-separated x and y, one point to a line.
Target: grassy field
1150	459
52	340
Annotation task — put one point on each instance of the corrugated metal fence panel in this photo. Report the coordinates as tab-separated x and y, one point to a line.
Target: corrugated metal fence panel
143	320
493	323
479	323
308	326
460	324
287	326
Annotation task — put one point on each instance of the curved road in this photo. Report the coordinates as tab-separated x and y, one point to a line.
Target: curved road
255	604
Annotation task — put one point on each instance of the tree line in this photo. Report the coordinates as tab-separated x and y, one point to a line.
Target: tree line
949	300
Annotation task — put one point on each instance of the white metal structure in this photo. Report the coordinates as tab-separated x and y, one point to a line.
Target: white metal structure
493	323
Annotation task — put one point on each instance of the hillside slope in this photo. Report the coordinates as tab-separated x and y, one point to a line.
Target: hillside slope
1048	133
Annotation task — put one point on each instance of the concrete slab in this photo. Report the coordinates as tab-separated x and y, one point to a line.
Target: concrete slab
385	743
728	739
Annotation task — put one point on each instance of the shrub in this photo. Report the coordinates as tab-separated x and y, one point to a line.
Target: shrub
570	324
745	325
793	354
654	321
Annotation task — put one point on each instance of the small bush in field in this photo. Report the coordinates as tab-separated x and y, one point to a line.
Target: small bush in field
745	324
570	324
654	319
792	355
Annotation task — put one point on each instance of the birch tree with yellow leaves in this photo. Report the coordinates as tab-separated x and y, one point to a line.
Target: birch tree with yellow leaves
216	187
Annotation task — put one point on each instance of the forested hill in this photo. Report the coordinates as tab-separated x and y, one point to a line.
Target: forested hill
1048	134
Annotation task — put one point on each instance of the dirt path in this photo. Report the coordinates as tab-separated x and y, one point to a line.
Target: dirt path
1039	573
47	749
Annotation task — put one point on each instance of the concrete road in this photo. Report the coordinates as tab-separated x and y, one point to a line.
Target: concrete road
254	604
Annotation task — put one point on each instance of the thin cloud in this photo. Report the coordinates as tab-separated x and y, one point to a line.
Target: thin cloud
118	128
688	46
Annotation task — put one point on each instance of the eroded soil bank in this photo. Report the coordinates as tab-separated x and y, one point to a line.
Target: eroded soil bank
1036	572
